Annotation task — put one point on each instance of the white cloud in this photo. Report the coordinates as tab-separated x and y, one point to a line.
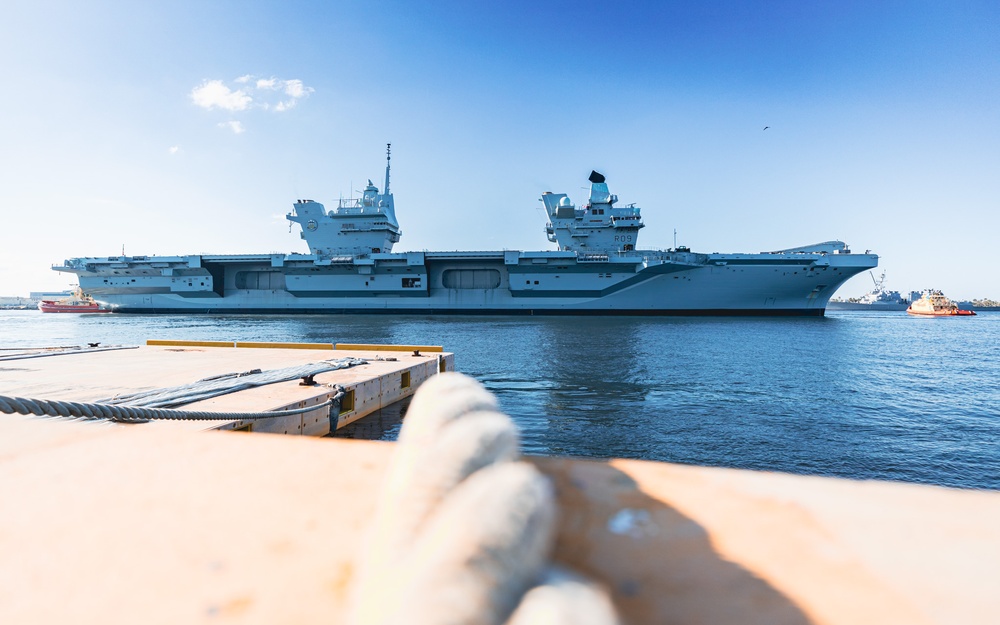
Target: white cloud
174	149
214	94
296	89
234	125
249	92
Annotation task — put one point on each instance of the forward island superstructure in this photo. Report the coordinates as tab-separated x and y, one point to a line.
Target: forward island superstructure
597	270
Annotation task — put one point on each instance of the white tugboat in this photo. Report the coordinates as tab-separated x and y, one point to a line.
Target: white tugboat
596	270
933	303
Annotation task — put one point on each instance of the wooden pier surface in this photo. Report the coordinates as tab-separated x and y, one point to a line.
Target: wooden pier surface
158	524
164	525
390	374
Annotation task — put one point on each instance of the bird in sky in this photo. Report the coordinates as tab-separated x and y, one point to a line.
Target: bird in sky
766	127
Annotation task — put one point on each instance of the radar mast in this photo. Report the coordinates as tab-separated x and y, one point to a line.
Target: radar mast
388	157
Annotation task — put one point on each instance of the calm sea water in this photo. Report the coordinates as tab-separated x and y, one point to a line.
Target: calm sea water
855	394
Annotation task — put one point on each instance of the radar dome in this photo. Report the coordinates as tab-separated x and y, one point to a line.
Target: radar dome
564	201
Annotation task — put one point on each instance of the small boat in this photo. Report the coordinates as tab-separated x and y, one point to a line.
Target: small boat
78	302
880	298
935	304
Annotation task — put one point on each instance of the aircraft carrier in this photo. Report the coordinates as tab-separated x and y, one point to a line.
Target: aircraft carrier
597	269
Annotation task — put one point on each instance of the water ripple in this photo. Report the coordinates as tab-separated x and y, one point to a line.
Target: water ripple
857	395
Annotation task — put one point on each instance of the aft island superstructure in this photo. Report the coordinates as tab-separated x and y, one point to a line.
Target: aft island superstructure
596	270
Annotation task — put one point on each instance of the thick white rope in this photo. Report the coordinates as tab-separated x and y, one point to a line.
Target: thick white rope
464	531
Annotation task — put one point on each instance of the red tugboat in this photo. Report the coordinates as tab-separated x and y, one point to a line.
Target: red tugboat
78	302
935	304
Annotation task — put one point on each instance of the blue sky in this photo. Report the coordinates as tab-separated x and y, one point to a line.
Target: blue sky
190	127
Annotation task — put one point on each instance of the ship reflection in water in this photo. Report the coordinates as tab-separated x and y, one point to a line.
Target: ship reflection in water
852	394
844	395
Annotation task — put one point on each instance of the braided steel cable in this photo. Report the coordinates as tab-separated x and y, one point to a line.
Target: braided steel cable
138	414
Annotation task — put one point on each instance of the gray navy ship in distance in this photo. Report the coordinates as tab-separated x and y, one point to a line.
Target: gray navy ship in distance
596	270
